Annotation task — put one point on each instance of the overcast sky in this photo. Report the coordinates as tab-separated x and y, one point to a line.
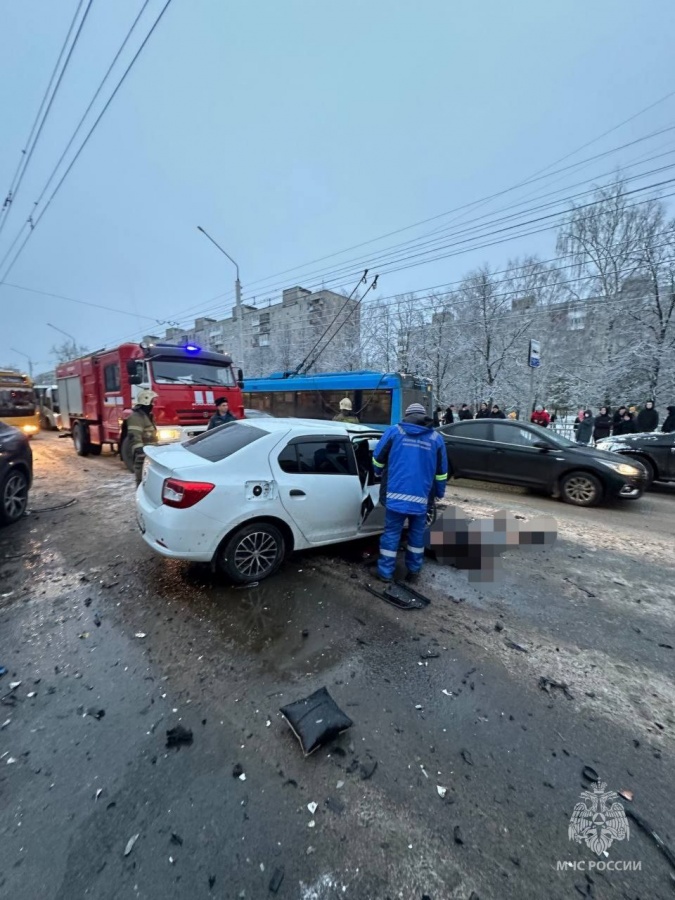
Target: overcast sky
292	129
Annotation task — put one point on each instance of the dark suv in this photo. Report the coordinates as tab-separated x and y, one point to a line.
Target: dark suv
16	473
654	450
522	454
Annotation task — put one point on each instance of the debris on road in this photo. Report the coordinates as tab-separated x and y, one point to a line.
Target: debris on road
446	692
418	706
276	879
178	735
242	777
457	834
549	685
647	828
315	720
442	791
312	807
140	634
130	844
588	773
466	756
237	770
176	839
512	645
98	793
97	620
96	713
627	795
367	769
3	671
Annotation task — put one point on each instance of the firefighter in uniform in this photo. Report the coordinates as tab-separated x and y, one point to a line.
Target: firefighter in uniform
411	459
141	429
346	414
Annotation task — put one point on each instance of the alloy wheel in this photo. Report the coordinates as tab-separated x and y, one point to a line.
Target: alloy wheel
255	554
580	489
15	497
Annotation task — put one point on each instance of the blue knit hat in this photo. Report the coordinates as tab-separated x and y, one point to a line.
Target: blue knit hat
415	409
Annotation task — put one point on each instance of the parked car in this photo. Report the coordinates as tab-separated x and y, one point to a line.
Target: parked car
654	450
246	494
528	455
16	473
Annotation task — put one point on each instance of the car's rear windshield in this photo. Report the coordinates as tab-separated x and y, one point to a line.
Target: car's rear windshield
223	441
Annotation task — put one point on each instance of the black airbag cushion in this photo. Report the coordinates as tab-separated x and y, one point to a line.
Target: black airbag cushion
315	720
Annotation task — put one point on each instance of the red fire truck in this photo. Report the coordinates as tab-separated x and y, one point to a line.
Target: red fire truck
97	392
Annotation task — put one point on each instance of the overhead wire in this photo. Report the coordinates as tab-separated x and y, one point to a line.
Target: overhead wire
25	162
359	261
84	143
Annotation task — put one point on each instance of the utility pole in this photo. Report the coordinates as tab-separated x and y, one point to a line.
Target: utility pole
26	356
237	296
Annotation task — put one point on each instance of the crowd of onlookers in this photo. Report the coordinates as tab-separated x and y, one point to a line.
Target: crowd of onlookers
587	427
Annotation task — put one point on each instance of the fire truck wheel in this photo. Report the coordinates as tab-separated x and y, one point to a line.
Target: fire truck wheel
252	553
81	439
125	454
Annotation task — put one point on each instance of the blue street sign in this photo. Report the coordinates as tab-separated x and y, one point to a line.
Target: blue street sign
534	355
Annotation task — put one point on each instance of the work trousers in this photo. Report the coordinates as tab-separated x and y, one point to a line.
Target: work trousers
391	539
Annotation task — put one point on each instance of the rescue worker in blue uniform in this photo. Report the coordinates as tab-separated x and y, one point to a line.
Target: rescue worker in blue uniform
412	461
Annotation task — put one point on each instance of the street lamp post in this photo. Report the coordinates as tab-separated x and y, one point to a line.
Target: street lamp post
61	331
26	356
237	295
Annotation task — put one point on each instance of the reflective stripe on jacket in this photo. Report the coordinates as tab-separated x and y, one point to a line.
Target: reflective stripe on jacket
416	465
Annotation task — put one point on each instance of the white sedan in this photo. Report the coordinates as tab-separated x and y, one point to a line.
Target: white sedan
246	494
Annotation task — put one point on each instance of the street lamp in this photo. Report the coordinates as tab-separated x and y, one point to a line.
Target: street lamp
61	331
26	356
237	294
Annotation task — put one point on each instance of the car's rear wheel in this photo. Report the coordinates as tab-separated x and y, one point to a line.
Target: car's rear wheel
13	496
252	553
81	439
581	489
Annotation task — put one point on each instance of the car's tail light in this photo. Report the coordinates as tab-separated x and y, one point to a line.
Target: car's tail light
183	494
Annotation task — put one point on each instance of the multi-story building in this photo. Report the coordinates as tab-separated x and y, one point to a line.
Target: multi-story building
278	336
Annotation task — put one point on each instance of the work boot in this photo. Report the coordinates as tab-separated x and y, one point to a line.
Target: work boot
412	577
383	578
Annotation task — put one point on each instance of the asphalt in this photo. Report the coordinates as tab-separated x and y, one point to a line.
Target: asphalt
447	697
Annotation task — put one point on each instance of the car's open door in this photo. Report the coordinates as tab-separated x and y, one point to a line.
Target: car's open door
371	513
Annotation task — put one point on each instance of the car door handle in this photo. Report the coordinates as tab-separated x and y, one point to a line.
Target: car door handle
297	493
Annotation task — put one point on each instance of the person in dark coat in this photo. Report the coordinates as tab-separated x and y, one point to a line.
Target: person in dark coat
584	428
222	414
669	425
496	412
619	414
602	425
465	413
648	418
625	426
483	411
436	419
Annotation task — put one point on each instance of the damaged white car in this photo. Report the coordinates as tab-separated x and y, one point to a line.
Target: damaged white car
245	495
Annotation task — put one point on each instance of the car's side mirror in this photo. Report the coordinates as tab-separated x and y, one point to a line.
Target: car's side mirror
134	372
240	379
542	445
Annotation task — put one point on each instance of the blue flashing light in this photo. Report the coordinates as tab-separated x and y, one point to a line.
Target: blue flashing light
192	348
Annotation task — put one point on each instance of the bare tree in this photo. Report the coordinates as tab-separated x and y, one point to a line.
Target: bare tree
68	350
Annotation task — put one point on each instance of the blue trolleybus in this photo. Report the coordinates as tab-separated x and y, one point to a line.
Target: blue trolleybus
378	399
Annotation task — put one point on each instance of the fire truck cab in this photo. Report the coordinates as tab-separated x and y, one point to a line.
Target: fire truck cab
98	392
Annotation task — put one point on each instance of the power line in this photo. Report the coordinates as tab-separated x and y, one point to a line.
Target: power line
360	261
27	158
92	101
88	136
536	177
322	278
122	312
